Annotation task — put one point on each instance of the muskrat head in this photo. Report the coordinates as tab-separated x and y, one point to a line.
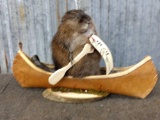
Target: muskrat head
79	22
78	27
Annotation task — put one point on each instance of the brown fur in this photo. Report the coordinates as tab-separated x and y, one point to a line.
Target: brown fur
73	33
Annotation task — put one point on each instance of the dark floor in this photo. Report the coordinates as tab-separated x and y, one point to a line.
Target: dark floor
17	103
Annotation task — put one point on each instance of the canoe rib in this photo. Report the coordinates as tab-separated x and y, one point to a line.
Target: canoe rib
136	81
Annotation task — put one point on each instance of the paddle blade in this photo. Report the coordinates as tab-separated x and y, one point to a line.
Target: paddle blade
57	76
105	52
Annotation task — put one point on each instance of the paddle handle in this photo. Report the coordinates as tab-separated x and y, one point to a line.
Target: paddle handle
59	74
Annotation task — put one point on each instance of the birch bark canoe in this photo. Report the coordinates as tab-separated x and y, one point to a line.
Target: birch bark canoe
137	80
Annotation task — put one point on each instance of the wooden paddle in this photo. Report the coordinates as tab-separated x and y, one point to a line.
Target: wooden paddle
104	51
59	74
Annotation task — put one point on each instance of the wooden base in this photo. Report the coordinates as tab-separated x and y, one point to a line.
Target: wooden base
136	81
71	97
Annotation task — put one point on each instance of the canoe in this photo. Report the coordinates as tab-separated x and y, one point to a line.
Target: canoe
136	81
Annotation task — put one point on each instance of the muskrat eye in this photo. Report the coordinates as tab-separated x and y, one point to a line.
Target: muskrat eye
83	31
84	27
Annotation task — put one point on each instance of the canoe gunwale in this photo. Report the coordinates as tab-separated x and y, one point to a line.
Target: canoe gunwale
124	72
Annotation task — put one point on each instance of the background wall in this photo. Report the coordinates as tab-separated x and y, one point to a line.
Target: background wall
130	28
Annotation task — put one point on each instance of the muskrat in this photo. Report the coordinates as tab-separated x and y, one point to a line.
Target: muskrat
73	33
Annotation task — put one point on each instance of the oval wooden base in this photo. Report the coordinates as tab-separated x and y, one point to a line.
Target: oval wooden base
71	97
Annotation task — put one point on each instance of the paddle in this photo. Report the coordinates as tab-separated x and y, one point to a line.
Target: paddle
59	74
102	48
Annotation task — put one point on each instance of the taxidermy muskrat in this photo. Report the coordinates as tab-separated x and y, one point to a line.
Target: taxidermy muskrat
73	33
